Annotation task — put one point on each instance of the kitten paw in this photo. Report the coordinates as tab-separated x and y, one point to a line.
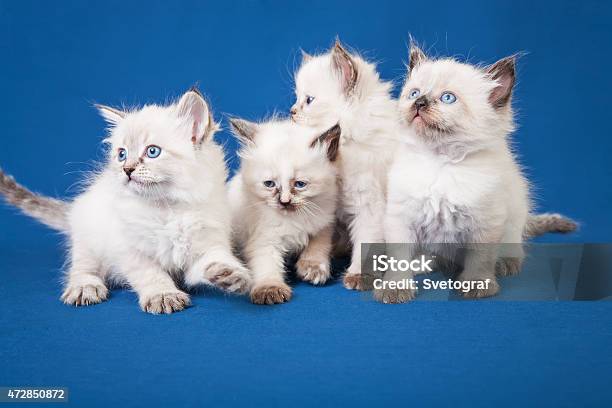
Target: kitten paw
353	281
508	266
230	278
168	302
271	294
394	295
477	293
84	295
312	271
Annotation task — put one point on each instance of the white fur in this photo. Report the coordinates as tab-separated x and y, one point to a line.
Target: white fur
463	186
368	118
266	233
170	222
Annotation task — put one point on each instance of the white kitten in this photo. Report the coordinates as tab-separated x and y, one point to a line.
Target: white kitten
344	88
339	87
454	178
157	213
283	201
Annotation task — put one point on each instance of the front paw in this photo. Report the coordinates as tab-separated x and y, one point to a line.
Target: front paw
313	271
271	294
353	281
85	295
509	266
394	295
481	288
167	302
230	278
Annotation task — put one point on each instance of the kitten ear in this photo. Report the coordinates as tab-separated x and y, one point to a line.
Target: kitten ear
244	130
331	138
305	56
345	66
193	107
417	56
504	73
111	115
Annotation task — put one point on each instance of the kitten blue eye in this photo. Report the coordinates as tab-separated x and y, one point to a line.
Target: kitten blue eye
309	99
299	184
269	183
153	151
121	154
414	93
448	97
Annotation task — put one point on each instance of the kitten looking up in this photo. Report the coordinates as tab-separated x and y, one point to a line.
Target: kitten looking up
156	213
283	201
454	178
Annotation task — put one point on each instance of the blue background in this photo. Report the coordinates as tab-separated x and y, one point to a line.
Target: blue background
329	345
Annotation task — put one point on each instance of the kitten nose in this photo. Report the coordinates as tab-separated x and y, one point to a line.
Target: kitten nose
421	103
293	110
129	170
285	202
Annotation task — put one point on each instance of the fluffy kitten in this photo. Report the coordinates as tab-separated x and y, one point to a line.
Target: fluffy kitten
454	178
283	201
338	86
157	213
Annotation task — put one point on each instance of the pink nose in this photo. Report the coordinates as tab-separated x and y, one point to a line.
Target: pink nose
293	110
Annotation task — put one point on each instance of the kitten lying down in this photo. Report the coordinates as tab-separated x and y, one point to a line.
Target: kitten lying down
342	87
154	216
454	178
283	202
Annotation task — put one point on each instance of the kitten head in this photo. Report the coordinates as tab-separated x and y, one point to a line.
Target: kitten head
156	151
443	99
288	167
323	84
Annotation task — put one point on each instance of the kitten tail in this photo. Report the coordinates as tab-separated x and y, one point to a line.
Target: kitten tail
49	211
544	223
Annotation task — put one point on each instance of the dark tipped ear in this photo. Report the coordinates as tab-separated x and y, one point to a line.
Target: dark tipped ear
305	56
417	56
504	72
345	67
193	107
331	138
244	130
111	115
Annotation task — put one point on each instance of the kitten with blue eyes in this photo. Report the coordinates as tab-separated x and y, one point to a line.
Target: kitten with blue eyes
454	178
283	202
154	216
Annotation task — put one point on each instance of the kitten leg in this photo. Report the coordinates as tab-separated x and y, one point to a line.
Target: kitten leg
267	266
84	285
511	252
479	269
313	264
400	245
219	267
366	227
157	292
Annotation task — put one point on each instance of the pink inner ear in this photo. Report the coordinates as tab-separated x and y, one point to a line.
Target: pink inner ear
194	132
500	94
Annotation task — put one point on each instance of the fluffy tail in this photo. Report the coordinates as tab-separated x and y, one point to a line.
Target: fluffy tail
541	224
47	210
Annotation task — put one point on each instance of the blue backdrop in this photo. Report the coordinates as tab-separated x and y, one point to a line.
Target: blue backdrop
328	345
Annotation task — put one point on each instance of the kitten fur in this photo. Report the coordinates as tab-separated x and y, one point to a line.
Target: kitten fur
342	87
345	88
274	216
454	178
147	222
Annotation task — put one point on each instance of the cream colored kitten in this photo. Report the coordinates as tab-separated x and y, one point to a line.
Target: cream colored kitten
283	202
156	214
454	178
